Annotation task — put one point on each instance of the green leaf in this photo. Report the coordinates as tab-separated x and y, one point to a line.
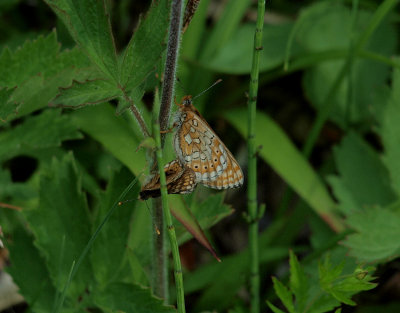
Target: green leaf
113	238
129	298
89	25
284	295
38	81
236	56
363	180
32	59
89	92
341	287
48	129
320	31
191	223
114	133
146	45
390	132
61	224
7	107
298	282
222	281
207	212
279	152
274	308
377	232
20	191
135	97
28	274
225	28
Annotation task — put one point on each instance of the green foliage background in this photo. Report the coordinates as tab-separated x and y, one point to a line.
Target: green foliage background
69	69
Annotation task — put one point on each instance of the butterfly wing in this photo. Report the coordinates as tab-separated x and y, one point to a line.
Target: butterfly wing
180	180
200	149
185	184
173	171
232	177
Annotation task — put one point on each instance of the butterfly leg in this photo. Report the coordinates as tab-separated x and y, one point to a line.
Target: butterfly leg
169	130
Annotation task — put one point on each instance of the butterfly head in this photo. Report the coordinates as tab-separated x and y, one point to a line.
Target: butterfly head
187	101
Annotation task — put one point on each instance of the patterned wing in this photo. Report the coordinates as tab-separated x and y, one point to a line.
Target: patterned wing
232	177
199	148
180	180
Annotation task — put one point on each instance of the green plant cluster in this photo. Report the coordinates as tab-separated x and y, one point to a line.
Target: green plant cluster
69	148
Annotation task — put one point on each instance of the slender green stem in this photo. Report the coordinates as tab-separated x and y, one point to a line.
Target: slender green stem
252	163
180	294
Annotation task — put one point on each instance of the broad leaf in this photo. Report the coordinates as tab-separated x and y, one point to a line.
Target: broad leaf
33	273
48	129
363	178
38	82
377	234
89	92
146	46
109	252
61	224
114	133
7	106
89	25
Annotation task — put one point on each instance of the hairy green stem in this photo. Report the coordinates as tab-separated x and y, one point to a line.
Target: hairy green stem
180	294
174	40
160	285
252	163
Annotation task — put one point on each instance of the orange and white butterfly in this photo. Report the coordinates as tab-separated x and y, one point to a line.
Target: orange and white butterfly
180	180
200	149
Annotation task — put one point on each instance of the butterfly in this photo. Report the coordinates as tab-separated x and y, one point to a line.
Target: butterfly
200	149
180	180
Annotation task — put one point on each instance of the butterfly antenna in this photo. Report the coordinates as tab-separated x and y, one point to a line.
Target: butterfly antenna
204	91
153	220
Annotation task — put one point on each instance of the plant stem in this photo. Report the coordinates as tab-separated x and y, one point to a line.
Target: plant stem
252	163
159	250
180	295
174	39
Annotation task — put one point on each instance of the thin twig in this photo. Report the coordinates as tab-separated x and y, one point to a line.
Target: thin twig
252	206
136	113
10	206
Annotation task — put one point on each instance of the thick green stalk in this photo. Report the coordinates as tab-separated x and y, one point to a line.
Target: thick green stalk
253	213
180	295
